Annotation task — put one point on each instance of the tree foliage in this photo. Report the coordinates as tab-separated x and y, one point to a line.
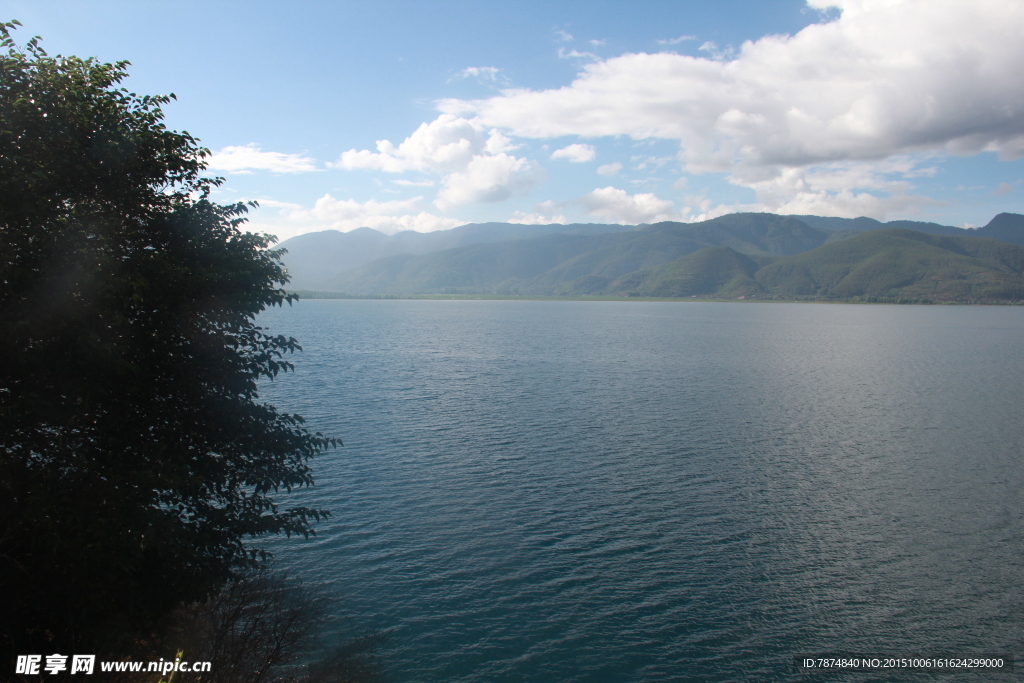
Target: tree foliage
136	462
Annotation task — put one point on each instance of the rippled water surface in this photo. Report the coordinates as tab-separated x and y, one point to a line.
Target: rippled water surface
629	491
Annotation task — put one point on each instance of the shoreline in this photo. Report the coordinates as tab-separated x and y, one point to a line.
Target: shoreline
873	300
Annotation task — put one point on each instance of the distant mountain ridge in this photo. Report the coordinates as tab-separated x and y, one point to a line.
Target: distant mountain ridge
750	255
316	258
1005	227
892	263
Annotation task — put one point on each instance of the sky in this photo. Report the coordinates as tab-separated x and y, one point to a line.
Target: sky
423	115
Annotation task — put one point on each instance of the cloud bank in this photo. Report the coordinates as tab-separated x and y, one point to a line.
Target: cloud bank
617	206
784	114
329	213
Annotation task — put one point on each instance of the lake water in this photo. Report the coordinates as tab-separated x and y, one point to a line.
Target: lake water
631	491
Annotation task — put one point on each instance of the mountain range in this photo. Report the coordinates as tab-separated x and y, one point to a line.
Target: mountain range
747	255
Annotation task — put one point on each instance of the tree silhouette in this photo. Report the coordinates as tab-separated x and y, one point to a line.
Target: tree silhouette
136	462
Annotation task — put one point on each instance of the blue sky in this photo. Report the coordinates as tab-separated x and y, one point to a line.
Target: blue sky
425	115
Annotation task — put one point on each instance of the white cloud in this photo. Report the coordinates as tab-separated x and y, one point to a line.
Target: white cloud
616	205
445	144
536	219
347	214
498	143
249	158
575	54
883	79
644	161
488	179
609	169
544	213
484	74
711	48
413	183
831	190
846	189
701	208
474	162
676	41
274	204
1003	189
577	153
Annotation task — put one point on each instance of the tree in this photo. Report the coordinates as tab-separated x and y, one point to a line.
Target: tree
136	462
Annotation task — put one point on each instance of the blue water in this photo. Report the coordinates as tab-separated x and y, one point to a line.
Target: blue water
630	491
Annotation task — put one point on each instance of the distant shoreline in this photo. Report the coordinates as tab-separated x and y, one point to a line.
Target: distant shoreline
314	295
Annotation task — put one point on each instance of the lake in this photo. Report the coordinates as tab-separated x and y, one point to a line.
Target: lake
634	491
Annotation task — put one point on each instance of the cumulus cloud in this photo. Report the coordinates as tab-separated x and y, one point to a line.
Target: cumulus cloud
488	179
249	158
881	79
577	153
884	78
617	206
475	163
609	169
832	189
447	143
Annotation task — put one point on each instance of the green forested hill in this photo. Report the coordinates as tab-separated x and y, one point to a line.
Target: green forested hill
902	263
738	255
712	271
1005	227
570	264
315	259
881	264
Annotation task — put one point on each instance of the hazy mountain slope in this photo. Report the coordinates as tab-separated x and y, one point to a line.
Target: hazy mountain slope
574	263
605	263
323	260
1006	227
890	264
477	268
863	224
315	259
748	233
719	271
753	233
734	255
